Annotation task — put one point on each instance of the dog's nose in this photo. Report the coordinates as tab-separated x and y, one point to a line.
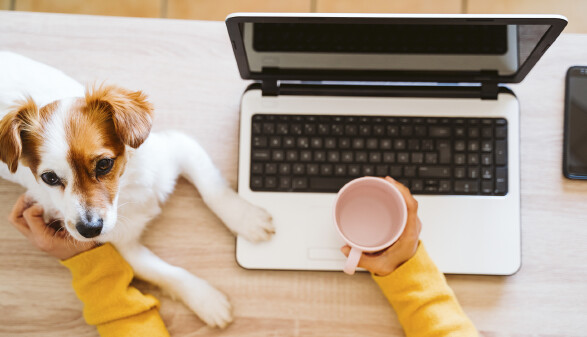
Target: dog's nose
90	229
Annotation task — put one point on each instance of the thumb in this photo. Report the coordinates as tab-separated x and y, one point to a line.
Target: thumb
346	250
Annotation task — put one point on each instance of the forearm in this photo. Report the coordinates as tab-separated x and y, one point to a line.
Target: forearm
101	280
423	301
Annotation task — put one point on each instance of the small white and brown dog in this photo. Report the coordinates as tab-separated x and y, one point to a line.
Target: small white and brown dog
82	153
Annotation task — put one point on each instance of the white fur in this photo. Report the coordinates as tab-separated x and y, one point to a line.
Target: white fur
149	178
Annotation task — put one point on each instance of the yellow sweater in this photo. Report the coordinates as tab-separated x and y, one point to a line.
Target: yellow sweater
418	292
423	301
101	280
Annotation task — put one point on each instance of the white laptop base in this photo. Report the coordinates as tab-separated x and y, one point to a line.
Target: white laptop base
463	234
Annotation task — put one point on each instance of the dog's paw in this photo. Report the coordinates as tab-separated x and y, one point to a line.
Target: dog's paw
257	224
243	218
211	305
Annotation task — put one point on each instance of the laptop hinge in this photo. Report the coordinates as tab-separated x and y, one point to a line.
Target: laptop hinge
489	90
489	86
269	86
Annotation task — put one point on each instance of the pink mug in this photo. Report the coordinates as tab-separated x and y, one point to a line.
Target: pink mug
370	214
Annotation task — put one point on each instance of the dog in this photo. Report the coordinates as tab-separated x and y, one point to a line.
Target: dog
83	153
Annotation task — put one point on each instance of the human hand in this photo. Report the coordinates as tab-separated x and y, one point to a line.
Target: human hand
384	262
27	217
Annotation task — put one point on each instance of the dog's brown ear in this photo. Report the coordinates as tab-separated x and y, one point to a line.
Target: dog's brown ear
131	113
11	127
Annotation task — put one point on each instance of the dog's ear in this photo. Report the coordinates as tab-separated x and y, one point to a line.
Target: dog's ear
11	127
131	113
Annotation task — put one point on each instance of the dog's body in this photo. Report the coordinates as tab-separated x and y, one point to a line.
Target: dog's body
144	167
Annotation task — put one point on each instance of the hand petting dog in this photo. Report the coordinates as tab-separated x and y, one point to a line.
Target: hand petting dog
27	217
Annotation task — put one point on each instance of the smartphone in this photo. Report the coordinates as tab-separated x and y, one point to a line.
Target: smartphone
575	133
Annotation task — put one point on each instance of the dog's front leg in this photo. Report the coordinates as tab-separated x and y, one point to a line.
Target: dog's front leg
209	304
241	217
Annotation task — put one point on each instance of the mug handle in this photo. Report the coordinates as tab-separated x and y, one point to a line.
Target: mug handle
353	260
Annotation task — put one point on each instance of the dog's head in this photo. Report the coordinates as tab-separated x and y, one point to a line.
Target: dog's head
78	148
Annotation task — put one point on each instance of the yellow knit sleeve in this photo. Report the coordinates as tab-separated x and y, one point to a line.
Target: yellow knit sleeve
101	280
423	301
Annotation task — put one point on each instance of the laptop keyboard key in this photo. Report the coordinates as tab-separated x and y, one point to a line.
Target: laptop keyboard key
434	172
500	152
410	171
444	186
382	170
268	128
270	182
466	186
439	132
444	152
487	187
299	169
300	183
417	186
431	158
328	184
256	182
354	170
285	183
260	155
257	168
501	180
277	155
326	169
257	128
500	132
270	168
259	141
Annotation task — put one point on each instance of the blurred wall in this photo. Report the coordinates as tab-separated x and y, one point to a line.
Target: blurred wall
219	9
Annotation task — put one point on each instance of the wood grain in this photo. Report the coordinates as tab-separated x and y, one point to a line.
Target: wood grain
389	6
219	9
574	10
137	8
188	69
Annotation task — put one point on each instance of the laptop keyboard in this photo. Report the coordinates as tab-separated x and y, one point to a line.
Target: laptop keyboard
430	155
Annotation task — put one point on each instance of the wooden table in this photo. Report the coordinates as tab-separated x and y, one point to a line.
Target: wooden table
189	72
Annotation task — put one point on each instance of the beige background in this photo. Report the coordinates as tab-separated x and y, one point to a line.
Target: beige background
219	9
188	70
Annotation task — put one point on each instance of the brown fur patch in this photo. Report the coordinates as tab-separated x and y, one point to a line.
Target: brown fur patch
130	111
21	134
91	135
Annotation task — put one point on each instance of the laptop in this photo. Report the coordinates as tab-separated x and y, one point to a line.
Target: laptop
415	97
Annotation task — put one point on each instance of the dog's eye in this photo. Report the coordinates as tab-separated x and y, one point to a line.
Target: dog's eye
104	166
50	178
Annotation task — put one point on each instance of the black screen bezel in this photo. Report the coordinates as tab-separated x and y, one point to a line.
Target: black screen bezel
573	71
234	21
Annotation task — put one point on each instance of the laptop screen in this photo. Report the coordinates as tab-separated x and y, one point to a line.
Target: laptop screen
376	46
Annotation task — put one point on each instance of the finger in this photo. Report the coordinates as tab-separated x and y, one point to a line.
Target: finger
411	203
34	217
16	216
17	209
346	250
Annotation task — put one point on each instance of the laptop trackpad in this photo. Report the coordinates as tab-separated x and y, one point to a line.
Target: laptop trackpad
325	254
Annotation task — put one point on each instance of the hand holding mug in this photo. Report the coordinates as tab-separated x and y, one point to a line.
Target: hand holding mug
401	248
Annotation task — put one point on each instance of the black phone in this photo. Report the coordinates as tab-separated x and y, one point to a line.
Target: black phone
575	133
